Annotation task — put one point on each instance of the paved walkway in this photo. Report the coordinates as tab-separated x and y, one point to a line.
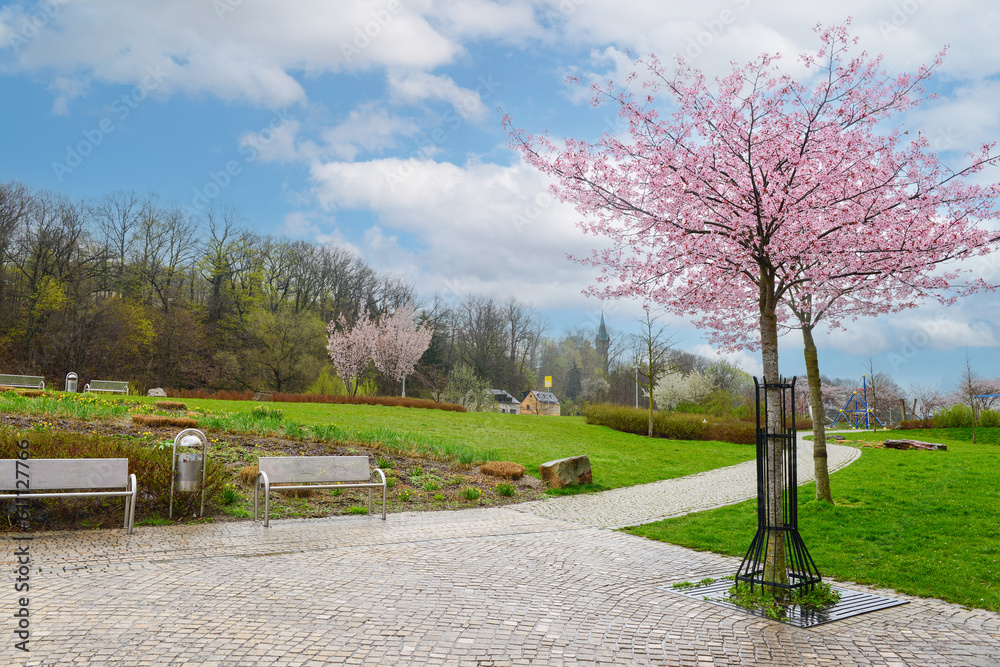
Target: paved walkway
646	503
475	587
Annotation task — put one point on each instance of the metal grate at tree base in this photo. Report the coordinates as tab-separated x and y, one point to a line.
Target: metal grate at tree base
852	603
774	522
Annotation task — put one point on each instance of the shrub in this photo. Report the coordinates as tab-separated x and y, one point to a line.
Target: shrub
957	416
739	432
503	469
471	493
989	418
673	426
279	397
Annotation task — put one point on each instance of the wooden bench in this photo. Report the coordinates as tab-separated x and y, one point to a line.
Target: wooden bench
30	475
315	472
109	386
23	382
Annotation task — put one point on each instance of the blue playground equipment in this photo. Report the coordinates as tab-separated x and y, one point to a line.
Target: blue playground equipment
856	412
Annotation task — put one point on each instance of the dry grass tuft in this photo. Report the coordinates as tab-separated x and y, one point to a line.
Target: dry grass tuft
170	405
32	393
248	475
503	469
293	493
159	420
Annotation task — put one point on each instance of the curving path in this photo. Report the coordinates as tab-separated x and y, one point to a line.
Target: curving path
646	503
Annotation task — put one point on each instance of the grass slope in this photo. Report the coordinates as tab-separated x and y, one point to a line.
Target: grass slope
618	459
921	522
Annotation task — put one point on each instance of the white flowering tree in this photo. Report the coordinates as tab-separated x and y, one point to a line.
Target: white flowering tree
676	388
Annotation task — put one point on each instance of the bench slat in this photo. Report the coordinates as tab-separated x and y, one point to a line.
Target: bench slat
46	474
305	469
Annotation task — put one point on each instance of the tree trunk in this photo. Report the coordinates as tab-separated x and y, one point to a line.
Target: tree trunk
775	566
819	427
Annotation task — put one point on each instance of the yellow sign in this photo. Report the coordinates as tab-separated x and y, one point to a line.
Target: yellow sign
548	381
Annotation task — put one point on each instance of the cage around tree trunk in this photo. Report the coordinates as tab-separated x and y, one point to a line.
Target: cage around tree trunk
773	524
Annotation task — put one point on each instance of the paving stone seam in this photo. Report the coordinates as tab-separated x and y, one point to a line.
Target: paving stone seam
646	503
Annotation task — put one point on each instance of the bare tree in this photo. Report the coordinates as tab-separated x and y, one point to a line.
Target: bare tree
118	216
652	356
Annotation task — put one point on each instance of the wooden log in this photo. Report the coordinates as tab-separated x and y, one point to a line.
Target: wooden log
914	444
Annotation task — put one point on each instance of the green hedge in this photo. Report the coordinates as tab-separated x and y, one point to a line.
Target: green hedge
956	416
672	425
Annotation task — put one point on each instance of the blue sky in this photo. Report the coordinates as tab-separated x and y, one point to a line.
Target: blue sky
376	125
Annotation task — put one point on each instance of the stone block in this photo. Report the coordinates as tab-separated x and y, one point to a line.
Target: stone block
564	472
157	392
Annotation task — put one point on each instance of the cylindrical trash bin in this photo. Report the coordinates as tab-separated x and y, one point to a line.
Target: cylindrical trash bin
188	471
71	380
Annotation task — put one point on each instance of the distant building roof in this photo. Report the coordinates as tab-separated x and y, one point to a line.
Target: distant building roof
500	396
545	396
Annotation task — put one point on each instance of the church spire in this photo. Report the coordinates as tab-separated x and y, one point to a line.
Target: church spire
603	342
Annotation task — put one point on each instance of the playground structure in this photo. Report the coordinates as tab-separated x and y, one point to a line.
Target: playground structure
856	412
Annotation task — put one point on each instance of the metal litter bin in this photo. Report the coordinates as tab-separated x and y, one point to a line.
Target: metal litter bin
71	382
188	471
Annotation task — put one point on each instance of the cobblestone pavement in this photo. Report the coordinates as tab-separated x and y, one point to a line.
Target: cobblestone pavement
646	503
474	587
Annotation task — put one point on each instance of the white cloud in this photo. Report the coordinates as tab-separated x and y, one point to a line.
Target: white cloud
236	51
274	144
416	87
483	19
486	227
369	128
66	89
746	361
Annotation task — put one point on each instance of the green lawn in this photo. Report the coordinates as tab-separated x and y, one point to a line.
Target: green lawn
922	522
618	459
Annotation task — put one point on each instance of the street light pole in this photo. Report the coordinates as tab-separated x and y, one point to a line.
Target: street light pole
637	387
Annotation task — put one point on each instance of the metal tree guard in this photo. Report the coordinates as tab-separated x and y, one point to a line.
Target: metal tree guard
799	565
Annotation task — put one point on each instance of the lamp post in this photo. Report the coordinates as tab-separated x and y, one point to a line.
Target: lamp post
636	387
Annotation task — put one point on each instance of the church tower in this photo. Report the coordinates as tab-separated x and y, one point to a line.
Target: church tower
603	343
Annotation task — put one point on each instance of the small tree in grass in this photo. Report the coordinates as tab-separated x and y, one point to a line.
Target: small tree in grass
395	344
350	348
757	184
399	344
